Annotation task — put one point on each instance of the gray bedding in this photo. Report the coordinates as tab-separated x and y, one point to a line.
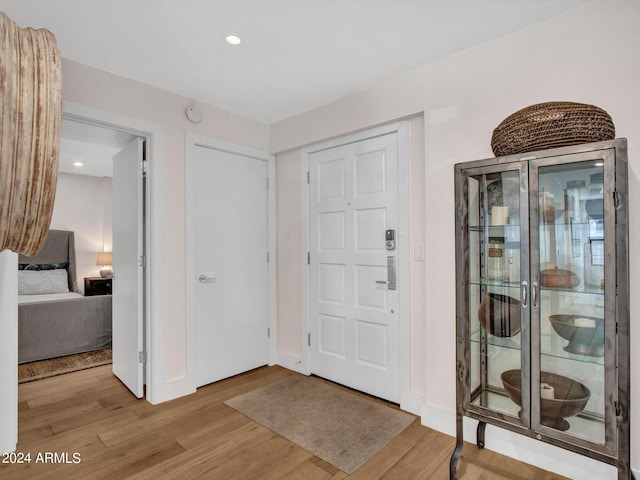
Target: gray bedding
61	325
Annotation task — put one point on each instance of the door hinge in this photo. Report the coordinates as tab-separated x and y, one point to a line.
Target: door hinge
308	339
268	257
142	356
617	200
616	406
308	258
268	333
308	178
143	166
142	261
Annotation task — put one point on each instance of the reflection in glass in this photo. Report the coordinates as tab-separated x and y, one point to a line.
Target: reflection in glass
571	245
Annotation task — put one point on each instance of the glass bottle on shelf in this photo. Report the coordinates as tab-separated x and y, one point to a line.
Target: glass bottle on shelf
495	258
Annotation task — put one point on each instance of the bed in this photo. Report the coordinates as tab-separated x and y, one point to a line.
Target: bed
54	319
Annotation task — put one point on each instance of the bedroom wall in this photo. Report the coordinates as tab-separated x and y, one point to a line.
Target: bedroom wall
83	205
587	55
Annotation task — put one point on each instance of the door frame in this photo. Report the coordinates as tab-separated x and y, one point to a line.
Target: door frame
154	320
401	130
193	141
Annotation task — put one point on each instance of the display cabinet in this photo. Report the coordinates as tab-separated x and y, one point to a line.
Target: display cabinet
542	299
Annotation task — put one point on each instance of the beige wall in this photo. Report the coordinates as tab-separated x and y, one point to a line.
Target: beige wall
83	205
588	55
289	269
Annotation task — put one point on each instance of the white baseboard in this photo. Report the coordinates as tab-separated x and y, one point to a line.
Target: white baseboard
522	448
412	403
292	362
172	389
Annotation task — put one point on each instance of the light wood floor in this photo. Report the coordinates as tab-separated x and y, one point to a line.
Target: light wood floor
198	436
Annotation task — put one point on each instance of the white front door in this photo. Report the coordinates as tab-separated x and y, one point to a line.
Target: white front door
231	245
353	306
128	250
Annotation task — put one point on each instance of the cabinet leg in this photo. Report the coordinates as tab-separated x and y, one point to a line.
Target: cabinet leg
626	474
457	452
455	456
480	434
624	470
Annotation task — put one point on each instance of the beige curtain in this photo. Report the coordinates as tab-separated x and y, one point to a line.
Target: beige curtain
30	119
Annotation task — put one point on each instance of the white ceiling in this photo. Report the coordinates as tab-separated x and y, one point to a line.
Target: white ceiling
296	55
89	149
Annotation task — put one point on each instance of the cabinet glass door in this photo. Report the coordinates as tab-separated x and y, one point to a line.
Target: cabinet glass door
496	206
569	296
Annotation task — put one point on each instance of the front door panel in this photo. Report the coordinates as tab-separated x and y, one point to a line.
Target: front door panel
353	309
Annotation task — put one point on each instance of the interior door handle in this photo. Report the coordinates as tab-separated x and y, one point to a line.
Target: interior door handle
205	278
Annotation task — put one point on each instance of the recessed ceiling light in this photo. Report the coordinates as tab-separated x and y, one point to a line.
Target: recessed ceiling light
78	164
233	39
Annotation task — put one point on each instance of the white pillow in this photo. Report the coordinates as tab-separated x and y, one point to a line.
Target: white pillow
36	282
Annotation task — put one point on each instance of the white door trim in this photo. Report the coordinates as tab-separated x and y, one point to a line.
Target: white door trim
407	400
154	281
192	142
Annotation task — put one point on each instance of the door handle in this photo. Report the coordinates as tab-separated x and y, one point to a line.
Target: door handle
205	278
391	273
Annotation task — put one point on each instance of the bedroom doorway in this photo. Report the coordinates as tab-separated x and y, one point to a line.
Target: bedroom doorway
155	390
101	197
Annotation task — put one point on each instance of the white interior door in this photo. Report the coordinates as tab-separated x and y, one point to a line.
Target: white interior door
231	244
353	317
128	249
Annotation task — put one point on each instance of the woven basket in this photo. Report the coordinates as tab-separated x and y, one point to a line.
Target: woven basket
551	125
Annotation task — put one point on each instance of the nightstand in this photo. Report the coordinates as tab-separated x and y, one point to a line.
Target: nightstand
97	286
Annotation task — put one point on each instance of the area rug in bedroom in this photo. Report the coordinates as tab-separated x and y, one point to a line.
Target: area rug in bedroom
338	426
29	372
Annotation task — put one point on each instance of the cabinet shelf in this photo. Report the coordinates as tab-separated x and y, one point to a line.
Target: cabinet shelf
580	289
494	228
551	346
547	351
558	224
585	425
512	343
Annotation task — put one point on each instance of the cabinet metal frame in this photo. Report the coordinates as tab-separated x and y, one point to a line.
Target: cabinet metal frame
616	450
